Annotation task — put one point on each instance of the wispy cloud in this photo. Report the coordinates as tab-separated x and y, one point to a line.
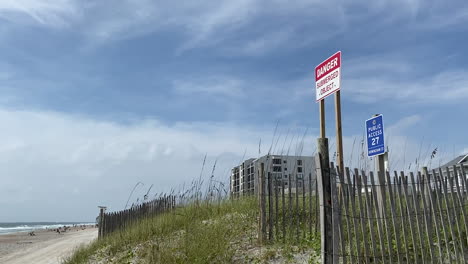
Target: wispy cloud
403	124
443	87
46	155
401	76
205	23
55	13
215	86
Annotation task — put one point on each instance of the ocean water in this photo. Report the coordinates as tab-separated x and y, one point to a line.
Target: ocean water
7	228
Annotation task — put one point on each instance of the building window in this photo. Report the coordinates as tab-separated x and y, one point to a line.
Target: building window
286	176
285	169
284	161
299	162
299	169
277	161
299	184
277	169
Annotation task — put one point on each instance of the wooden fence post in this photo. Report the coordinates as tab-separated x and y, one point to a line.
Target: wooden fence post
380	172
261	194
335	213
270	209
323	177
428	195
101	221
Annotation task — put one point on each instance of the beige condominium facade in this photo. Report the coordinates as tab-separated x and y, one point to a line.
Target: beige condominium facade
296	173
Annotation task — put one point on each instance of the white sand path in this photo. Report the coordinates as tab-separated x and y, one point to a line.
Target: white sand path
51	251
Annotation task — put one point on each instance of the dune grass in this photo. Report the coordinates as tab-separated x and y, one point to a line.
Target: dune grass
196	233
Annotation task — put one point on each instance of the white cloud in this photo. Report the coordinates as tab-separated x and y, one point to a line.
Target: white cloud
206	23
443	16
372	79
53	13
443	87
215	86
403	124
60	167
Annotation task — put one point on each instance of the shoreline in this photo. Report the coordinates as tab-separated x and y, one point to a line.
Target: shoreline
21	247
25	227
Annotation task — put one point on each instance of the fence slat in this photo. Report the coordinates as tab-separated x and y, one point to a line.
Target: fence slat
426	213
270	210
276	207
261	194
283	222
394	217
385	217
361	214
303	211
408	212
354	216
335	214
460	200
345	205
454	208
398	181
290	221
317	215
449	214
353	211
369	215
379	219
464	181
297	212
434	216
439	203
417	213
310	205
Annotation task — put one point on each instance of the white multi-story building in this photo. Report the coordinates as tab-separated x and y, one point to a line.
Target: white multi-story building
295	172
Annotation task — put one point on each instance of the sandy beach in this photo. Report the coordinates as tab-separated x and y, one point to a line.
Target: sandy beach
46	247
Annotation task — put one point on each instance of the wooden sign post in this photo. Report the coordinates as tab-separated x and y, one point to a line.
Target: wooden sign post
328	79
327	82
339	135
322	118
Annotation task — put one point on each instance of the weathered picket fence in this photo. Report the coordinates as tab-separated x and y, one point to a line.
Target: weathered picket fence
413	218
112	221
386	218
287	211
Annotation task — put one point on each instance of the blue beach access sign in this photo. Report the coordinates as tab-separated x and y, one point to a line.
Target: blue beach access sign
375	136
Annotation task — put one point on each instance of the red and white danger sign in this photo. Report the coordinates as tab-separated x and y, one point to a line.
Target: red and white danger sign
328	76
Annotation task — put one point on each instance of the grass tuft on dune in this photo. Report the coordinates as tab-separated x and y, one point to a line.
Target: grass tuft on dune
197	233
220	232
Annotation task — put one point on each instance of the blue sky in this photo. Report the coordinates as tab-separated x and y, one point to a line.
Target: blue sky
108	93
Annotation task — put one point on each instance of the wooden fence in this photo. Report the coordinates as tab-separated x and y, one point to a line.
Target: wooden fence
288	212
400	218
393	218
112	221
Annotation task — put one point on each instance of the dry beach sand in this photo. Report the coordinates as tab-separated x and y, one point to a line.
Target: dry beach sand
46	247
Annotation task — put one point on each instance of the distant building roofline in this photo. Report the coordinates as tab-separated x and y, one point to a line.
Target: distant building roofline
464	159
461	159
